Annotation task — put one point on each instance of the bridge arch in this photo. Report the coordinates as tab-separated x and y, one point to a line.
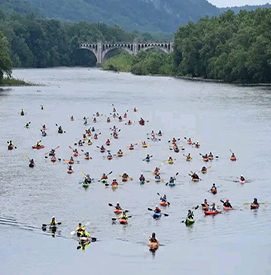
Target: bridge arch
109	49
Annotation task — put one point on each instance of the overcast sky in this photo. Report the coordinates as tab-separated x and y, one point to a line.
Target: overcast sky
229	3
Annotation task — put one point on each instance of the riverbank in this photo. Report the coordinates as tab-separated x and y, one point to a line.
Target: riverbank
7	81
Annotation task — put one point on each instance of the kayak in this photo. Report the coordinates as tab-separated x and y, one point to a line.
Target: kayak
89	134
94	120
148	160
60	131
75	154
176	150
124	179
233	158
254	206
114	184
188	159
195	179
115	137
103	180
107	143
227	208
157	215
95	137
205	208
102	151
31	165
53	159
144	145
153	246
85	185
87	157
120	155
69	171
123	221
71	162
37	147
44	134
84	138
212	212
142	123
117	211
163	203
189	221
242	181
206	159
109	157
89	143
203	171
171	183
214	191
189	142
10	147
142	181
131	148
170	162
210	157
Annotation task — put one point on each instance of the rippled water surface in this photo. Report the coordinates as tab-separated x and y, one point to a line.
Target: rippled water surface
221	117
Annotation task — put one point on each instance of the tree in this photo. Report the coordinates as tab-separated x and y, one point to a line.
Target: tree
5	61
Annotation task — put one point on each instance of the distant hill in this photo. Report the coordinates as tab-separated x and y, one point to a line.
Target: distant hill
246	7
141	15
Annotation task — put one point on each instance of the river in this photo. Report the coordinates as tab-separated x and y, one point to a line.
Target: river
220	116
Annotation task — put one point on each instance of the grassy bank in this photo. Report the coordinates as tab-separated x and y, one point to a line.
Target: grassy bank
7	81
119	63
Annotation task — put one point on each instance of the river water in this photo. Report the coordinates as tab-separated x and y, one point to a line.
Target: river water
220	116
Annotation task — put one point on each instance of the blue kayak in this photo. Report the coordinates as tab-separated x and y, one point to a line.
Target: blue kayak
148	160
157	215
142	181
171	184
44	135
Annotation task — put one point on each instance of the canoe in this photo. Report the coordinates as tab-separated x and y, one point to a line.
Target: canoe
37	147
10	147
144	145
117	211
212	212
214	191
75	154
170	162
70	171
242	181
205	208
120	155
194	179
109	157
71	162
203	171
53	159
142	181
189	221
233	158
85	185
153	246
171	183
123	221
254	206
163	203
124	179
157	215
103	180
227	208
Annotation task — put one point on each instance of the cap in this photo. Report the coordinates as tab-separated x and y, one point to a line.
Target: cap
53	217
227	200
118	202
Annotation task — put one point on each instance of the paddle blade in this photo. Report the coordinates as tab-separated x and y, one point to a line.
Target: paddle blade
110	204
93	239
26	156
150	209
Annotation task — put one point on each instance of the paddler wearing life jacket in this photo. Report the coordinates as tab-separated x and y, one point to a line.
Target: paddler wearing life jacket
31	163
22	112
148	157
104	176
109	155
141	121
27	125
102	148
213	187
227	203
53	221
195	176
120	152
70	168
232	155
125	115
123	216
255	201
115	134
75	151
159	132
108	119
157	177
108	141
164	198
144	142
79	229
156	171
41	107
10	143
188	157
87	179
84	233
131	145
97	114
118	206
157	210
203	168
120	118
60	129
172	179
114	182
89	142
205	203
84	136
135	109
94	119
72	118
125	175
190	214
95	136
52	152
242	178
213	208
189	140
93	129
142	178
210	155
43	127
114	110
153	239
174	140
170	159
38	144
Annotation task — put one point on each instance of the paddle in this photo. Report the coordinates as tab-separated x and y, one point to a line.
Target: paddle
93	239
192	174
154	138
187	156
12	145
114	219
27	156
130	178
106	175
149	157
192	213
174	177
44	225
160	212
246	203
62	129
224	202
110	204
161	198
54	149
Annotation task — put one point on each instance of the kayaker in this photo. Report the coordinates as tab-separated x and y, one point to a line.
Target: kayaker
120	152
31	163
157	210
89	142
227	203
114	182
108	119
157	177
109	155
195	176
43	133
144	142
142	178
115	134
75	151
255	201
159	133
80	143
53	221
232	155
174	140
120	118
148	157
41	107
92	129
242	178
170	159
125	115
114	110
87	179
84	136
205	203
125	175
70	168
131	146
135	109
102	148
95	136
94	119
22	112
72	118
210	155
27	125
129	122
141	121
164	198
79	228
44	127
153	239
213	208
10	143
107	142
85	122
188	157
203	169
97	114
104	176
213	187
52	152
60	129
123	216
190	214
197	144
38	143
118	206
156	171
171	180
84	233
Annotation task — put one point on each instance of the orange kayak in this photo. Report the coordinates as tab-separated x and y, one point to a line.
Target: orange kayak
193	179
153	246
120	155
75	154
163	203
227	208
109	158
86	157
117	211
205	208
124	179
233	158
71	162
70	171
254	206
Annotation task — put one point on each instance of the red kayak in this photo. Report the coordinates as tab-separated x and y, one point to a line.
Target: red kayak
212	212
254	206
10	147
37	147
214	191
123	221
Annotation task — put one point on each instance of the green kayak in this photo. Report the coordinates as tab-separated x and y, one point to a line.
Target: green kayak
86	185
189	221
103	180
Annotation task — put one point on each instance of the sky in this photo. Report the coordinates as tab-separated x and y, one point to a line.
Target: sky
230	3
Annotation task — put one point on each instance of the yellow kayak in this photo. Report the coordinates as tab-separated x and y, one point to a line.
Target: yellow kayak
170	162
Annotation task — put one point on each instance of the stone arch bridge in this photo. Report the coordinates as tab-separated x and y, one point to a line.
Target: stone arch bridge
101	49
